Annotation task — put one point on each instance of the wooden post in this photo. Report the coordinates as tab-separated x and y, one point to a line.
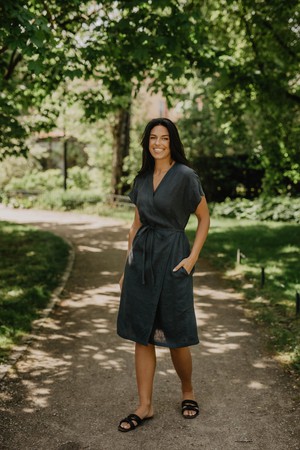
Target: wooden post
297	303
262	279
65	162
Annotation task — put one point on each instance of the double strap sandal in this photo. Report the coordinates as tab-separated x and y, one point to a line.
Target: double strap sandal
190	405
133	420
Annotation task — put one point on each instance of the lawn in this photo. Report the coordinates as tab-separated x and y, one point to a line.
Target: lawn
275	247
31	265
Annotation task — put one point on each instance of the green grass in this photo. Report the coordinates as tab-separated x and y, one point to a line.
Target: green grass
276	247
31	264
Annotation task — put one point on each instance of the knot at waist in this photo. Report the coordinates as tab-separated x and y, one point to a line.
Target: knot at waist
149	231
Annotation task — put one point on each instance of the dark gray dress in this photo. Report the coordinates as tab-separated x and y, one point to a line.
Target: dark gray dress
157	304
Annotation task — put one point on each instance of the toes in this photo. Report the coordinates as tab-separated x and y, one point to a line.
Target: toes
189	413
125	425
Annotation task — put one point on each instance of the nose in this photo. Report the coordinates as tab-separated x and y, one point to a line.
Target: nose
157	139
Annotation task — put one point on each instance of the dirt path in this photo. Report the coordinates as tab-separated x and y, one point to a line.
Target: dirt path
76	381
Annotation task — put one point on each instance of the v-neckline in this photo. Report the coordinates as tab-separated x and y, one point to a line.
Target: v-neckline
152	179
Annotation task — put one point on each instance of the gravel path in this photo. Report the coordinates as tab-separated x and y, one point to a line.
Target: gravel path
76	381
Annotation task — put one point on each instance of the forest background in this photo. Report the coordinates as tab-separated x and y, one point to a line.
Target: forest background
75	74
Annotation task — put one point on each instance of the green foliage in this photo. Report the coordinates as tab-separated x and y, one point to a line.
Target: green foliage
274	246
31	269
114	46
250	101
36	180
243	54
39	181
277	209
56	199
68	200
79	177
44	190
37	55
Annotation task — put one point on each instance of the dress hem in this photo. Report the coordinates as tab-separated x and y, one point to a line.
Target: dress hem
160	344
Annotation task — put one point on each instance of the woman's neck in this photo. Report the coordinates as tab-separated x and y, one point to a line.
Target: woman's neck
163	166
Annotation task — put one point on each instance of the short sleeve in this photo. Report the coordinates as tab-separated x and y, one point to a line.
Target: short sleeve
134	192
194	192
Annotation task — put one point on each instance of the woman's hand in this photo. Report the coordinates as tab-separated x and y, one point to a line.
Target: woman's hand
121	281
187	263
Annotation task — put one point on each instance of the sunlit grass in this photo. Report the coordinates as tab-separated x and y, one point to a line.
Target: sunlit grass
276	248
31	264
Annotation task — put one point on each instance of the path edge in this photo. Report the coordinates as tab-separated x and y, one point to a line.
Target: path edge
19	349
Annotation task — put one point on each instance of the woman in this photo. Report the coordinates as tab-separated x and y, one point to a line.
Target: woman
157	306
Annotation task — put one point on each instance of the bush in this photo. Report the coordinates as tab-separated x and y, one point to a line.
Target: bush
36	181
283	209
40	181
58	199
68	200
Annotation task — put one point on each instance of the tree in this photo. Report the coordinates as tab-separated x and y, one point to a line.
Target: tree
37	53
133	42
118	44
243	52
253	93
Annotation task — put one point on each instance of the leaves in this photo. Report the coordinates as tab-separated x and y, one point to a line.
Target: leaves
242	53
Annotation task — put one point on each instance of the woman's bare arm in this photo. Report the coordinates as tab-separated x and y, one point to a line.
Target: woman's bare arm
202	214
136	224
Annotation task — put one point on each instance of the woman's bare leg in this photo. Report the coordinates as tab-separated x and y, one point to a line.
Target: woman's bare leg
182	361
145	363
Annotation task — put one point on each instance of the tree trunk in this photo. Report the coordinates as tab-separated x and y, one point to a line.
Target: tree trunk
121	138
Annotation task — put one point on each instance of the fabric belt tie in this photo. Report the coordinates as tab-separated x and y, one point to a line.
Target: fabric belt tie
149	231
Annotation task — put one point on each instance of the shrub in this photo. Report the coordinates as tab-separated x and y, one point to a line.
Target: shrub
284	209
68	200
40	181
36	180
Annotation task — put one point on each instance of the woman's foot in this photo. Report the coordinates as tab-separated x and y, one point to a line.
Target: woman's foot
189	410
142	413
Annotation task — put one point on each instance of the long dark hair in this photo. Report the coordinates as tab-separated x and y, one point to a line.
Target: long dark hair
176	147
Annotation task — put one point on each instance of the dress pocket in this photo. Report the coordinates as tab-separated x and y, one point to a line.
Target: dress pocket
181	273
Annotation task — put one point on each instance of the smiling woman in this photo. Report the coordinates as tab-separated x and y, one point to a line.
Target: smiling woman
29	272
157	305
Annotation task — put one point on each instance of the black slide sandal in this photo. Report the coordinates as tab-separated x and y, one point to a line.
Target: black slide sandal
130	420
190	405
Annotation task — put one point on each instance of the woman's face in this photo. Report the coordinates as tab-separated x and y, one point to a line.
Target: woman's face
159	143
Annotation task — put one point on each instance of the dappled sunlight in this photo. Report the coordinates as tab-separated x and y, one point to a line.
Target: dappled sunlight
85	248
203	317
77	378
219	347
236	334
260	364
257	385
126	346
166	373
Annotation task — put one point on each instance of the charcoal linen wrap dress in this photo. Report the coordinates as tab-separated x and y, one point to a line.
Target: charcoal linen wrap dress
157	304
